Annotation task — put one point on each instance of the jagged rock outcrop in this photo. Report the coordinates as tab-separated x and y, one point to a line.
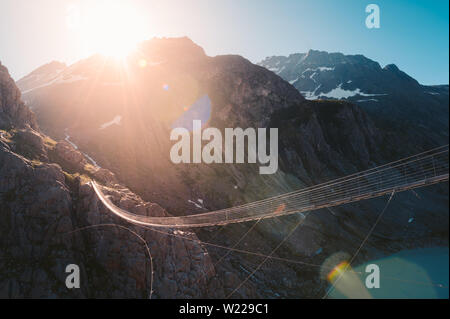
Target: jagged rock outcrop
70	155
13	111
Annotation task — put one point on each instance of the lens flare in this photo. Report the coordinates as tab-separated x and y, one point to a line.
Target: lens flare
199	110
112	28
337	271
142	63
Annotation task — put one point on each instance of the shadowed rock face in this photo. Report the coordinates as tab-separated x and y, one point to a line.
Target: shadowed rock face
318	141
13	111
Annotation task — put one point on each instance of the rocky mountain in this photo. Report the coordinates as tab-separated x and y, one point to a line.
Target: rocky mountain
119	115
394	100
48	218
146	101
42	76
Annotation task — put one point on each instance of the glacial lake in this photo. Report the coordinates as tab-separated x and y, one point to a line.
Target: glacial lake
419	273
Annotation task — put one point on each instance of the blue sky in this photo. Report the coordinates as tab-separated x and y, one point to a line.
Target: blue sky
413	34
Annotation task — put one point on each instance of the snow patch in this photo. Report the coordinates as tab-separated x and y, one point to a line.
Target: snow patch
324	68
320	69
337	93
67	139
368	100
116	121
281	70
273	69
311	95
194	203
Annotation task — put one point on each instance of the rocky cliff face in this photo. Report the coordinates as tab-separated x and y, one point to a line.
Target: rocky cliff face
13	112
49	217
122	118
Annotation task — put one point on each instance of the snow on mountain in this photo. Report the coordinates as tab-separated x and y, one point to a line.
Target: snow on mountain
400	100
59	79
336	93
117	119
39	77
367	100
56	73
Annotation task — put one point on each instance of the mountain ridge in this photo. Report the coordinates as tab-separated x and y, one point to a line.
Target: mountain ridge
338	56
396	101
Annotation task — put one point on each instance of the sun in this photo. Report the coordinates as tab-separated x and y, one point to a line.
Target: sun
112	28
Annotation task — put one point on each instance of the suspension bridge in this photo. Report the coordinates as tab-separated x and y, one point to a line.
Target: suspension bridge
424	169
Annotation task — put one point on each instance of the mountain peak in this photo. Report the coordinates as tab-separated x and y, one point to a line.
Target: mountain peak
392	67
182	48
50	67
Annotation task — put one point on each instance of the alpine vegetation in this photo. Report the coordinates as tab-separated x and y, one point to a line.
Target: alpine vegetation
219	151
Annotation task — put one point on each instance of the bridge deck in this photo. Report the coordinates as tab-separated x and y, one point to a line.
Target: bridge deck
421	170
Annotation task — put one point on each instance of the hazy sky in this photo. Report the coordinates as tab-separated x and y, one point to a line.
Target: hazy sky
413	34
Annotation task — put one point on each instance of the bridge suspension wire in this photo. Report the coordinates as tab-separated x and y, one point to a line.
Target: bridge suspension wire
142	239
380	216
301	221
237	243
420	170
175	234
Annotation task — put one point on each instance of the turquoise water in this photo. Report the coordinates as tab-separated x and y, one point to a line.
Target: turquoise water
419	273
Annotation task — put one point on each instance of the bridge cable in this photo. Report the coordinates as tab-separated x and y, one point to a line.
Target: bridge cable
265	259
361	245
131	231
